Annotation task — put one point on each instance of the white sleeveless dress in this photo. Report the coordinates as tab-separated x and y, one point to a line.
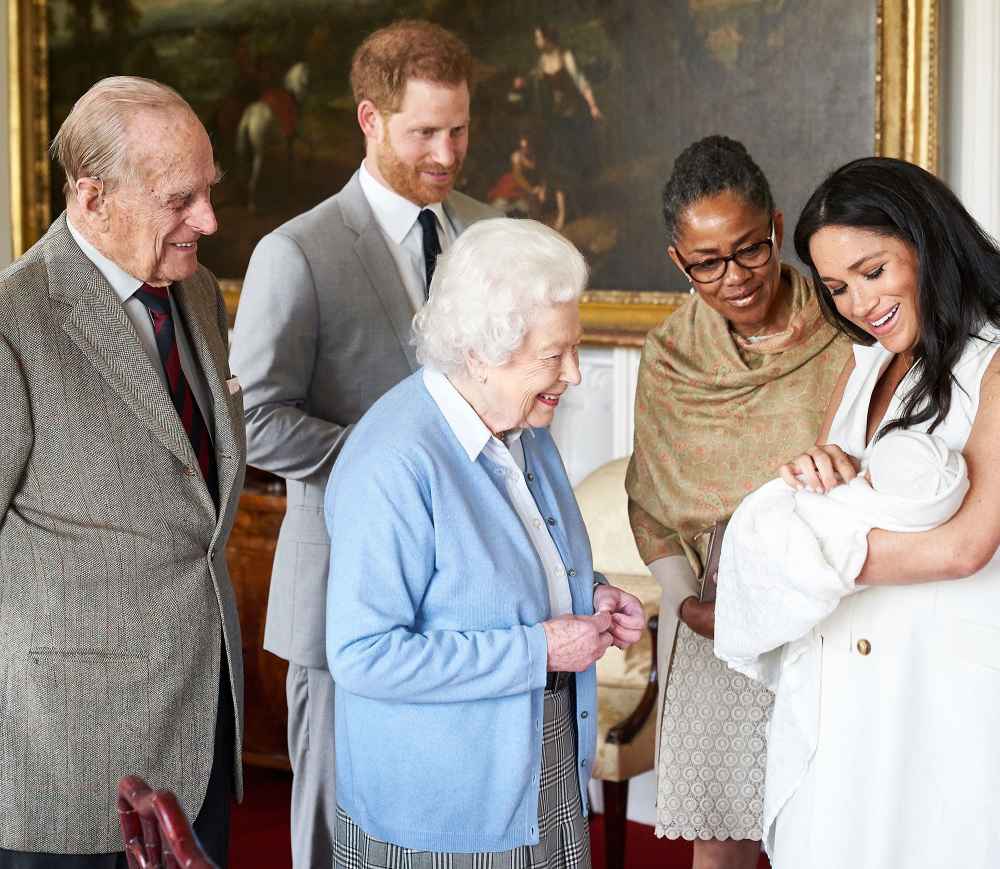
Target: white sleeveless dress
907	768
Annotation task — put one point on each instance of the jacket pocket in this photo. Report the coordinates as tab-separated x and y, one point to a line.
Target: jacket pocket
75	723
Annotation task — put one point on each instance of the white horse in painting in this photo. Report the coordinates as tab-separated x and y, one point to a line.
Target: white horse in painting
260	126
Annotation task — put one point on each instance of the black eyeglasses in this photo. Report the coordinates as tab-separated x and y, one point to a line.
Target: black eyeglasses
753	256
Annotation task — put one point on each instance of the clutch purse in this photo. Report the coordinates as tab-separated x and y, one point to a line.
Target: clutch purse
710	573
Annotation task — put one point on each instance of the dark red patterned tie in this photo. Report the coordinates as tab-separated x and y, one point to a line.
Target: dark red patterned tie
157	302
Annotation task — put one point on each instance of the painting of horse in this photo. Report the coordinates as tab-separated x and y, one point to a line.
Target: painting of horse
579	110
271	121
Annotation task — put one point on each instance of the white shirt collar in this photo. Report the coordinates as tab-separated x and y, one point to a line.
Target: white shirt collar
394	213
470	430
121	281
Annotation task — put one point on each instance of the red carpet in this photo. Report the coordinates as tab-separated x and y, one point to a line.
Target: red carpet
260	832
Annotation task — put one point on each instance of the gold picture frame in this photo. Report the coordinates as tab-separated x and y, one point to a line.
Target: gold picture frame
906	125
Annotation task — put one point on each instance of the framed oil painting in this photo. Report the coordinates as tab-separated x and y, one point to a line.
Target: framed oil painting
580	110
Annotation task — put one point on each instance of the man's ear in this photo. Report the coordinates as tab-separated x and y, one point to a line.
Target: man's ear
88	195
370	120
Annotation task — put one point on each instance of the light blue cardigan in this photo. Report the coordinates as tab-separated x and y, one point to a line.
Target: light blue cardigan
434	639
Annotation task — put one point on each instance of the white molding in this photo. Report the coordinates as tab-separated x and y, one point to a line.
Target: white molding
972	123
594	423
626	376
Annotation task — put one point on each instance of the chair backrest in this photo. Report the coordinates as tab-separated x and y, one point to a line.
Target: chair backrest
155	830
604	506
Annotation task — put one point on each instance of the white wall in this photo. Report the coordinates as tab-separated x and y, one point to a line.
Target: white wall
970	99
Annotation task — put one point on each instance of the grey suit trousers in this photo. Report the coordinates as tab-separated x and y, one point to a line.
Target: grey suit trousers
310	749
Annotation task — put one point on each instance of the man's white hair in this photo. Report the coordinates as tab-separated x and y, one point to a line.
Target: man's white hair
93	141
488	285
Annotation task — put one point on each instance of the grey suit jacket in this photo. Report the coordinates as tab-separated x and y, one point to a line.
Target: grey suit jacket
322	331
112	555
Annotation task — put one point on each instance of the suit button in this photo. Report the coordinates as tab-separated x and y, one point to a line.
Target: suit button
189	470
864	647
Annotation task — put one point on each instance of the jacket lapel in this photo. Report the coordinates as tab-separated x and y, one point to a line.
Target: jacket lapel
98	325
454	218
377	261
196	303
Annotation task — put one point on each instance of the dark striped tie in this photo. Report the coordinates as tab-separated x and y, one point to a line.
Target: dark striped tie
157	302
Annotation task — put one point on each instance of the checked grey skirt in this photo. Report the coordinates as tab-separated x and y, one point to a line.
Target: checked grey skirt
564	838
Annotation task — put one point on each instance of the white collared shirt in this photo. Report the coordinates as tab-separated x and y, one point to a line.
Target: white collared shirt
477	439
397	218
125	286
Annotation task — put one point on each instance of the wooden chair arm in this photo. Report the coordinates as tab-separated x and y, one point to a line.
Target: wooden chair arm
155	832
625	731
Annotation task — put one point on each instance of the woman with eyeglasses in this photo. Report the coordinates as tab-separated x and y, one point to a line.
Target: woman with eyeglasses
727	386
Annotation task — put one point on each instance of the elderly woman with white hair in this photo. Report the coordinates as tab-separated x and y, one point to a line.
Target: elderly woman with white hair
464	617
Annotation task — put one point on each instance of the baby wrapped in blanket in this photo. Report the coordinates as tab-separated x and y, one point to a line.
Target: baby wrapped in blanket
788	556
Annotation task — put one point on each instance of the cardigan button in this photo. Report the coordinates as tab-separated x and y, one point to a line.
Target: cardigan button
571	572
584	714
530	477
551	520
864	647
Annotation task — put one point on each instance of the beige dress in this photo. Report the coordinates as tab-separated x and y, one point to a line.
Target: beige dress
715	416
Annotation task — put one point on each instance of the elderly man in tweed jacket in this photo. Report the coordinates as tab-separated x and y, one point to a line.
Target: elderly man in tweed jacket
121	462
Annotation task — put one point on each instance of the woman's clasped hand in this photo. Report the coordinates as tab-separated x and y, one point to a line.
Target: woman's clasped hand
576	642
820	469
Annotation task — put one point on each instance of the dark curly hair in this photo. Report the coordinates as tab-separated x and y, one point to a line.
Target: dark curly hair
958	275
708	167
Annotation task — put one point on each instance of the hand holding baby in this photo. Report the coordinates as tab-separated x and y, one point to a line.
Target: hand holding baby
820	469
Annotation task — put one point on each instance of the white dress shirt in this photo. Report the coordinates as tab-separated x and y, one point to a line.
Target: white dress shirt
477	439
397	218
125	286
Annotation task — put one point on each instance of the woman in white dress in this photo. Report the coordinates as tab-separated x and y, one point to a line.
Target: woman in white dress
907	766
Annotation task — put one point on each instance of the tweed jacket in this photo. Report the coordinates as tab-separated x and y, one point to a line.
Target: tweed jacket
115	592
322	332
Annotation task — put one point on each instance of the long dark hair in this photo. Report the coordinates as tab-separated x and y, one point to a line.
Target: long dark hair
958	266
